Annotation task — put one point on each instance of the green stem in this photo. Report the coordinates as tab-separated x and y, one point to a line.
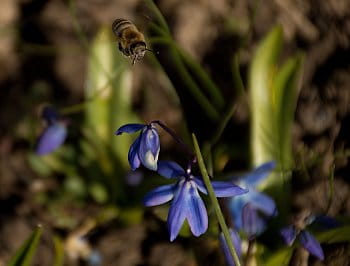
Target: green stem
158	15
215	201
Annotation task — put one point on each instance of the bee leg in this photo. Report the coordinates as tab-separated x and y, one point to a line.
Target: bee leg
134	60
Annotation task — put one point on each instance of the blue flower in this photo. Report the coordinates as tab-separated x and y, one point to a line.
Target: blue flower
245	209
186	202
236	240
146	146
307	240
53	135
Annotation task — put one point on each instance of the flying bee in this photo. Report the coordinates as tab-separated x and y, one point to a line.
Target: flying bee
131	41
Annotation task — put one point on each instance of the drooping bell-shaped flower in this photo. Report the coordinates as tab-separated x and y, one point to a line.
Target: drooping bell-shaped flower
146	147
186	202
307	240
53	135
246	210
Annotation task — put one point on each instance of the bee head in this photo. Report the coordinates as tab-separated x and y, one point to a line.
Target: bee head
138	50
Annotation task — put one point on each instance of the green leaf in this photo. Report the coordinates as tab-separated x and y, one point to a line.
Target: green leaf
260	77
109	95
337	235
59	251
205	81
25	253
285	93
273	97
280	257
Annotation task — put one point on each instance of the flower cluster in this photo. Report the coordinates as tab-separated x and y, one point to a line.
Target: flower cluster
186	203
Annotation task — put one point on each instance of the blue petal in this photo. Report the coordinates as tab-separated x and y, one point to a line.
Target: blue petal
159	195
149	148
200	185
236	243
170	169
253	225
51	139
227	189
177	211
196	213
236	208
288	233
129	128
258	174
311	244
262	202
133	155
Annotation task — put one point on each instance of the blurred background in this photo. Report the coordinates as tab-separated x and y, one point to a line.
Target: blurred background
89	204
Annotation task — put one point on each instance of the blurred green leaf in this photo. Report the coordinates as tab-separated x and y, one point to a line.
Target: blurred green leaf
182	63
202	76
59	251
280	257
25	253
131	216
273	97
38	165
337	235
98	192
285	92
260	80
108	91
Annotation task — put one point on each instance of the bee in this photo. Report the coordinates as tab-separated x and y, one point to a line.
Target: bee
131	41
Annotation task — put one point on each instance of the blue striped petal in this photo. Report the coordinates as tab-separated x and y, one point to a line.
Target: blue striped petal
129	128
227	189
200	185
236	207
159	195
133	155
259	174
311	244
253	224
149	148
196	212
51	139
170	169
177	211
263	203
288	233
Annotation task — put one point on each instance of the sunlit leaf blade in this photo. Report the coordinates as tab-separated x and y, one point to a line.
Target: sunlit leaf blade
281	257
337	235
260	77
25	253
108	91
285	90
273	96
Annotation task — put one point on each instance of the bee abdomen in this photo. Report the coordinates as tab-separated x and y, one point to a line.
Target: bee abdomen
120	24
